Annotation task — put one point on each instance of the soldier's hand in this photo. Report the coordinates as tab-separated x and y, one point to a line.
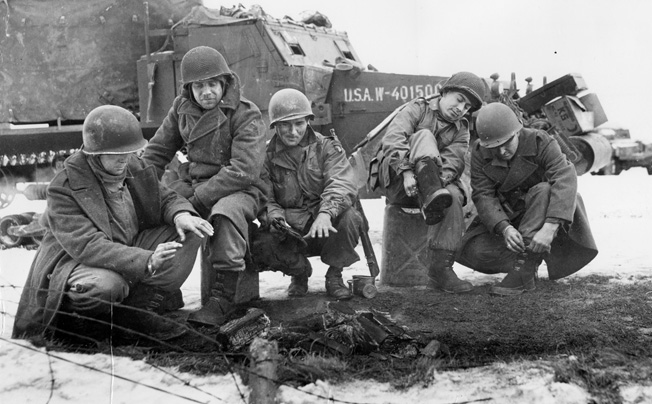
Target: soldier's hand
410	183
197	225
514	240
542	241
277	224
164	252
321	227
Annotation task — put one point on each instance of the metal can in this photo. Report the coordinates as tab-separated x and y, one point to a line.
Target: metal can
369	291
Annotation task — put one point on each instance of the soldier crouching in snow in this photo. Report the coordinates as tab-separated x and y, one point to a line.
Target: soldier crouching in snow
312	191
118	245
525	192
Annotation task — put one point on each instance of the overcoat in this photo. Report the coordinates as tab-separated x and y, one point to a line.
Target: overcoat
225	148
499	189
79	232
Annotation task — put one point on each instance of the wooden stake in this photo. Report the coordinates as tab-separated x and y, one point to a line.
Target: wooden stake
262	381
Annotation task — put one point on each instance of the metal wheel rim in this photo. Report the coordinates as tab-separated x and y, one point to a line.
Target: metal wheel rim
6	239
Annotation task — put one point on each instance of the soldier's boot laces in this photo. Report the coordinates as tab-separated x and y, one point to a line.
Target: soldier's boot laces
140	312
433	197
441	273
220	304
335	287
521	278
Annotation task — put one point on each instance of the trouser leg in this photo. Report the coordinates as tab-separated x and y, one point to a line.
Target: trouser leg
423	145
225	253
447	234
227	247
92	291
537	200
174	273
338	249
487	253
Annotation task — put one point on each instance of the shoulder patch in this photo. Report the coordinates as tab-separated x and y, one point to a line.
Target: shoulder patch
337	145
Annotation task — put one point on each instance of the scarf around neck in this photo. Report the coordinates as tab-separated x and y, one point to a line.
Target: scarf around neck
107	179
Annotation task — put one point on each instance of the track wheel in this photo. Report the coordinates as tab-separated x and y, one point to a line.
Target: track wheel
6	223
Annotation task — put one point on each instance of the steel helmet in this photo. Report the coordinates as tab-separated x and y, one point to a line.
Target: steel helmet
288	104
470	85
496	123
109	129
201	63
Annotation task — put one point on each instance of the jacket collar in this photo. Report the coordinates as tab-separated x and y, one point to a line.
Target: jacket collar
230	98
279	152
519	168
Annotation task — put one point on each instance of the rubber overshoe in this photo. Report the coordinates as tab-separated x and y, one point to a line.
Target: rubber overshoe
298	286
335	288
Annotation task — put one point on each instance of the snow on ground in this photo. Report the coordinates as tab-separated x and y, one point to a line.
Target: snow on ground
621	218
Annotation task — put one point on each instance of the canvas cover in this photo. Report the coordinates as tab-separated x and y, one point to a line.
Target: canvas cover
61	59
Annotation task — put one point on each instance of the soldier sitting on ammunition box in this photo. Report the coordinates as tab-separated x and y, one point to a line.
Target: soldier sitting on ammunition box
312	191
525	191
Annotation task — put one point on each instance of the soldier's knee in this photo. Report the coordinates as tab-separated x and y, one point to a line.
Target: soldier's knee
540	188
111	287
91	293
349	219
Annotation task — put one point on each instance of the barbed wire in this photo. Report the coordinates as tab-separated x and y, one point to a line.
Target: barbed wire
177	347
96	342
51	379
173	346
99	370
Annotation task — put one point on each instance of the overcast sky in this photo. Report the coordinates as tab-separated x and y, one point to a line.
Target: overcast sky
608	42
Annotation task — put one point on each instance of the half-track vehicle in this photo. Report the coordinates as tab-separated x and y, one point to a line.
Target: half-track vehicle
61	59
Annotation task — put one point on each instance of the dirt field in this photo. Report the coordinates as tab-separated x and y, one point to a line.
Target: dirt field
580	340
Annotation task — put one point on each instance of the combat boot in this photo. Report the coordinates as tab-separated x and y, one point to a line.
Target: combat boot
172	301
221	302
138	314
335	284
299	283
521	278
433	197
441	274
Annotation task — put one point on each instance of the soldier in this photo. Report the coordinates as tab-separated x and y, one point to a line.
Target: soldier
114	235
224	139
312	194
420	162
525	191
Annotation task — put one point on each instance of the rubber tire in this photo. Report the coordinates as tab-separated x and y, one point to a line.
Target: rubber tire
6	222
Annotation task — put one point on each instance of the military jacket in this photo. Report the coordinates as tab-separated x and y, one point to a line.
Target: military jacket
452	138
312	177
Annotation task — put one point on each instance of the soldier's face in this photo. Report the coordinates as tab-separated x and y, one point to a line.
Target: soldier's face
453	105
292	131
114	164
208	93
507	150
